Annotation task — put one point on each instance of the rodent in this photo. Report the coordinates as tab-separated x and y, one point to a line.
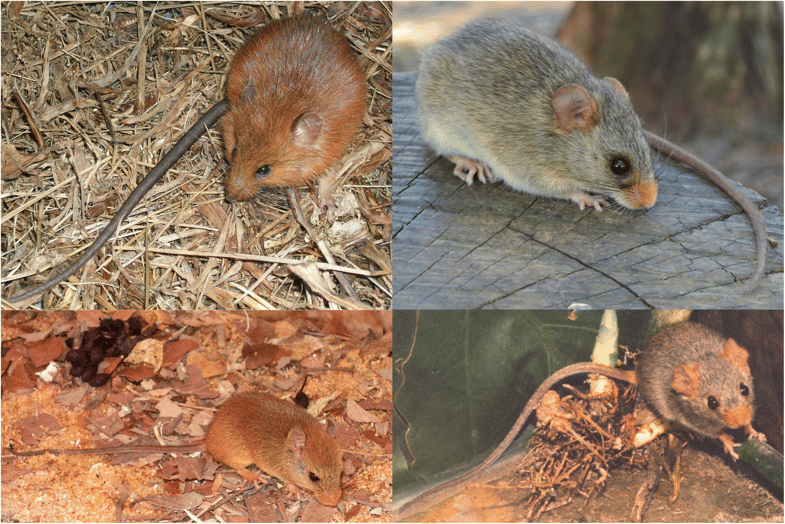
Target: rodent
682	368
282	439
295	100
503	102
694	376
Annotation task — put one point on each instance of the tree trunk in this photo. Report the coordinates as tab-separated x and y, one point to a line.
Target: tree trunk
689	67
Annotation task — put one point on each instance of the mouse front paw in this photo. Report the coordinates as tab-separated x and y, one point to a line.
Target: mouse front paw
584	199
754	434
728	444
295	493
468	170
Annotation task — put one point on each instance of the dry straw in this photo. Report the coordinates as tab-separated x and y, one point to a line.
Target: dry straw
94	94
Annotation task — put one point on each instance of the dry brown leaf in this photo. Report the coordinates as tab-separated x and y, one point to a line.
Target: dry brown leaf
91	319
261	331
17	378
358	325
316	512
73	396
356	413
34	428
174	350
46	351
149	352
168	409
315	360
135	373
15	163
195	384
188	501
207	367
260	355
36	336
261	510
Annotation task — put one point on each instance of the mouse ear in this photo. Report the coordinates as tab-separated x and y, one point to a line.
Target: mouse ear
737	356
296	441
686	380
307	129
574	108
615	84
248	94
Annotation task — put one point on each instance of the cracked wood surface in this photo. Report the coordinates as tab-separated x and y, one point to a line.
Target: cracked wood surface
491	247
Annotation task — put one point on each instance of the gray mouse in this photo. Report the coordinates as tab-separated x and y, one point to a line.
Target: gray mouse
688	374
503	102
694	376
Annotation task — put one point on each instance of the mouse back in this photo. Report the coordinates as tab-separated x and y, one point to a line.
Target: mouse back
692	375
296	100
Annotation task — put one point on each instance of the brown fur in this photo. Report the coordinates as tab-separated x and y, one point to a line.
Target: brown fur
282	439
292	67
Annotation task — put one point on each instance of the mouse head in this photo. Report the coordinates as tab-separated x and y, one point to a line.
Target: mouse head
270	148
719	389
607	142
318	461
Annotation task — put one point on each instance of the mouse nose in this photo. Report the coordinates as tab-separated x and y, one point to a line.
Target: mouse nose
329	498
641	195
738	416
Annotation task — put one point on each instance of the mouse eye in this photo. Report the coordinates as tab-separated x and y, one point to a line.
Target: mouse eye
263	171
745	391
313	476
712	402
620	166
234	151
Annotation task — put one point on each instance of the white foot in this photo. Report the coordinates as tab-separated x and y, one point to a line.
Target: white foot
583	200
467	170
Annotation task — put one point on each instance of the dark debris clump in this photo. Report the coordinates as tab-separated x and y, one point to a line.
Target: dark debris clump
113	338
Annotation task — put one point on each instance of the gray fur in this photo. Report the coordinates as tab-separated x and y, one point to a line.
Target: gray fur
486	93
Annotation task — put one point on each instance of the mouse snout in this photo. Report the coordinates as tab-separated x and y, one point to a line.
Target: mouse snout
236	190
330	497
738	416
241	182
640	195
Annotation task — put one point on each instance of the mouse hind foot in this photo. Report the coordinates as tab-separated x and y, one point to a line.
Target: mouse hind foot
468	169
249	476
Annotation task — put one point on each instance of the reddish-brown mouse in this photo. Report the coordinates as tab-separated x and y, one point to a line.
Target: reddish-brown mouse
280	438
295	100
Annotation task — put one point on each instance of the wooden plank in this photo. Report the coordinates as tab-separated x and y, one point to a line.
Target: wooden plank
489	247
